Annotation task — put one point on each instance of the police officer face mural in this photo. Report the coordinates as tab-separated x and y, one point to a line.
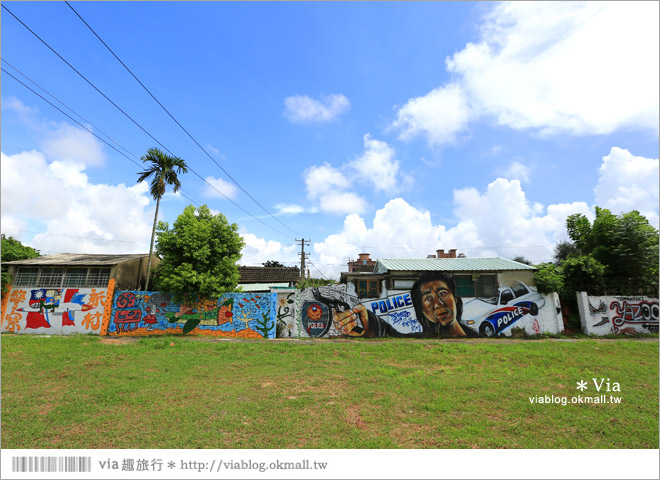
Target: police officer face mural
438	304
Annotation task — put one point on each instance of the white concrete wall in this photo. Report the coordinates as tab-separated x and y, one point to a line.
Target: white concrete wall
602	315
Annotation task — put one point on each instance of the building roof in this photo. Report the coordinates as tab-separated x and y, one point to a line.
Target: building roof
449	265
262	287
66	259
268	274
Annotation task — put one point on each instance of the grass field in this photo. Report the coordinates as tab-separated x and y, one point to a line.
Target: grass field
173	392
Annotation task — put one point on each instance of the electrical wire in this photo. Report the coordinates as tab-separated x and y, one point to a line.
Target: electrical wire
177	122
78	123
122	111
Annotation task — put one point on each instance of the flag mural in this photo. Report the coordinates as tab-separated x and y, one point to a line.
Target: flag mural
55	311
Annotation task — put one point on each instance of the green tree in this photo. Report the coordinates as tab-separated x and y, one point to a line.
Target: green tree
625	245
272	263
11	250
314	282
199	256
521	259
563	250
549	278
163	170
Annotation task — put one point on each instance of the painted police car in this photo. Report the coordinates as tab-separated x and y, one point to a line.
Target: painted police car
489	316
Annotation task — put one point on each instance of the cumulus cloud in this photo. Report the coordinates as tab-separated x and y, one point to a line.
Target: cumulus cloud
304	109
627	182
58	194
552	67
440	115
70	144
517	171
258	250
377	166
225	188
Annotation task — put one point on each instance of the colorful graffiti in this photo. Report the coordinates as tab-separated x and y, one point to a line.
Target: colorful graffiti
55	310
430	310
617	315
240	315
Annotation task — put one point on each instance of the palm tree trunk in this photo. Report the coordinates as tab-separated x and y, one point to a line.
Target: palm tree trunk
151	247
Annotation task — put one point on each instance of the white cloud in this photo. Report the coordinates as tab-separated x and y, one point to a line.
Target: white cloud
70	144
332	188
304	109
553	67
219	185
328	186
378	157
289	208
259	250
59	195
628	182
342	202
440	115
517	171
497	222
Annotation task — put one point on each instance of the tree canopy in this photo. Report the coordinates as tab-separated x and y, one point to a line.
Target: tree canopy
199	255
11	250
616	254
272	263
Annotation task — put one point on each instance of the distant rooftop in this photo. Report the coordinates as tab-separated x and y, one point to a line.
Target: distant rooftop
449	265
268	274
80	259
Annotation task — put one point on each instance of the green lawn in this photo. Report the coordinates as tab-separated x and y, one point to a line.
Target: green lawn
88	392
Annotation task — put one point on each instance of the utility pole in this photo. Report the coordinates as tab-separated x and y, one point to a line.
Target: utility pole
303	256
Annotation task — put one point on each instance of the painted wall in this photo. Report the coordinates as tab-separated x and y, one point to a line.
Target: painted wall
430	310
238	315
56	311
286	314
611	314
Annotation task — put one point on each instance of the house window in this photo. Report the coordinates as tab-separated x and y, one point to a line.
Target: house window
464	286
368	288
62	277
476	286
403	284
486	286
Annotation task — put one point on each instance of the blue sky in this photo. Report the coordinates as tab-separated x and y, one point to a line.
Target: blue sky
389	128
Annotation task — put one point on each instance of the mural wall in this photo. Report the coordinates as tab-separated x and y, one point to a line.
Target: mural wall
56	311
241	315
285	312
430	310
618	315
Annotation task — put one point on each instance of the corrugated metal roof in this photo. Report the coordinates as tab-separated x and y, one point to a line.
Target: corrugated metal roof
260	287
449	264
79	259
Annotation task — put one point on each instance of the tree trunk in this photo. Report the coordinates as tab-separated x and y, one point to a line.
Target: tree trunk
151	247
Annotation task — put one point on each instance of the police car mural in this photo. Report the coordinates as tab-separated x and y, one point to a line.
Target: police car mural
490	316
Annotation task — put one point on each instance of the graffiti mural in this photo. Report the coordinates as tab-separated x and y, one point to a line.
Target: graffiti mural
285	307
241	315
56	311
618	315
431	309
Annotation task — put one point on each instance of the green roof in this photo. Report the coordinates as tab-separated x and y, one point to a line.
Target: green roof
449	265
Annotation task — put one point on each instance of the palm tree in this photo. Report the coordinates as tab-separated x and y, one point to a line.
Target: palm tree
164	170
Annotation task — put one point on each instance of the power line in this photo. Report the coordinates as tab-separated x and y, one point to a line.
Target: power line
77	122
115	105
176	121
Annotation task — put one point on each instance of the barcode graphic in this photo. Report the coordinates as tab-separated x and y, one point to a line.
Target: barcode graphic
51	464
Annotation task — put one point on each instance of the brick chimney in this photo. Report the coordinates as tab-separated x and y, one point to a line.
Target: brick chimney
441	253
452	253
